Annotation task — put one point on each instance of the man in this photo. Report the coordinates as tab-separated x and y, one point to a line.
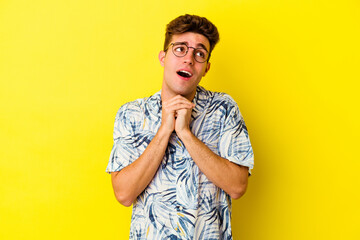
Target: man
180	155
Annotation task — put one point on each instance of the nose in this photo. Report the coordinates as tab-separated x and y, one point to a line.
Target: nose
189	57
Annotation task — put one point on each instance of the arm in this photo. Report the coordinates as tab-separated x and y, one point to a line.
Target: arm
227	175
134	178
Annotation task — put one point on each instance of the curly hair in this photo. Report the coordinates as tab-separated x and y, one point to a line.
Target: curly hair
192	23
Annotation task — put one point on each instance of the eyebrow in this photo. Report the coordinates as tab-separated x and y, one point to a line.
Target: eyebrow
197	45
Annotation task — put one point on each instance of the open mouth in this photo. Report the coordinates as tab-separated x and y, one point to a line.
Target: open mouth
184	74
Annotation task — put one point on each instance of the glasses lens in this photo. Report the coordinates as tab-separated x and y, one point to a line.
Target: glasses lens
200	55
179	49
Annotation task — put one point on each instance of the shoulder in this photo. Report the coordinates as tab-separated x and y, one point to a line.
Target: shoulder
137	107
225	99
217	99
128	109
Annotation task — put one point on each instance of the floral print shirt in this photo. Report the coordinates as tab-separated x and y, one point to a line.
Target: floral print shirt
180	202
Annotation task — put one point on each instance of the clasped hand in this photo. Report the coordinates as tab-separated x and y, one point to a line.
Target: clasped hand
176	114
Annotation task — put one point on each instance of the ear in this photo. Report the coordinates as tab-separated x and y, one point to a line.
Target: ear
162	57
207	69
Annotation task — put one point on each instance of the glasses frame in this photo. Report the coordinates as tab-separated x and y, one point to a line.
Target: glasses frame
187	50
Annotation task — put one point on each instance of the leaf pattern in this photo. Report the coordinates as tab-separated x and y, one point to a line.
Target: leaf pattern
180	202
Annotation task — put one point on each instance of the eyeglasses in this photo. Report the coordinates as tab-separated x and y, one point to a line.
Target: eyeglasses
180	49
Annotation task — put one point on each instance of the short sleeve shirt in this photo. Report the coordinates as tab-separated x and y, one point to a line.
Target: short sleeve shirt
180	202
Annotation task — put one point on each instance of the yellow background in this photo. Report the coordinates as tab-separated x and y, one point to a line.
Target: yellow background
67	66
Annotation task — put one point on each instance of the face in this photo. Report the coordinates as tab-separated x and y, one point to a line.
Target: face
183	74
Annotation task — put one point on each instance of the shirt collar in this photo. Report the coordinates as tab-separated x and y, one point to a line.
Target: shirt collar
200	100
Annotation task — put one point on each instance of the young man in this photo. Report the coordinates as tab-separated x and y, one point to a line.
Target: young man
180	155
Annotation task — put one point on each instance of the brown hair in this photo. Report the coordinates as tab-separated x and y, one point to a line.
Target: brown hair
192	23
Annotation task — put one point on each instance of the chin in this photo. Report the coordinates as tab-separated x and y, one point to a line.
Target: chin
185	92
180	87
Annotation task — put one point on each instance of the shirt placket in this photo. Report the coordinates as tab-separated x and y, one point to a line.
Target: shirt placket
178	208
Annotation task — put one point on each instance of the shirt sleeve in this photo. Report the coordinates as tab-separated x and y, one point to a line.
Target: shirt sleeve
234	143
123	152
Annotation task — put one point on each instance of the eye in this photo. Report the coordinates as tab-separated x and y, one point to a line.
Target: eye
180	49
200	53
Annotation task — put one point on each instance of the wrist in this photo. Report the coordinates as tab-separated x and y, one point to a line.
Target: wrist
164	132
184	134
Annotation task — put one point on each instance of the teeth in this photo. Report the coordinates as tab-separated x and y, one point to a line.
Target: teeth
186	73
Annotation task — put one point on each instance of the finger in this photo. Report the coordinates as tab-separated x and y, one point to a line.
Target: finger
179	98
178	106
178	101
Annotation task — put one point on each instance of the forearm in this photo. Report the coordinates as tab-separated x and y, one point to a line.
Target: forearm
228	176
133	179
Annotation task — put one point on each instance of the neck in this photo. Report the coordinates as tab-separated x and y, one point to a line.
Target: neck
166	95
